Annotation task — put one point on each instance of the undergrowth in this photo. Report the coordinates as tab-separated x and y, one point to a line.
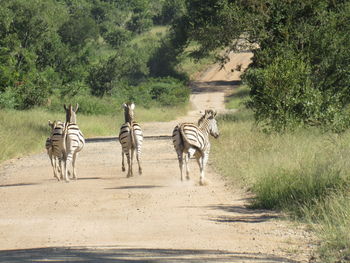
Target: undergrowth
304	173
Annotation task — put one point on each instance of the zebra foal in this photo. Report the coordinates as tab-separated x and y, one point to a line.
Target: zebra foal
54	147
73	140
130	138
193	140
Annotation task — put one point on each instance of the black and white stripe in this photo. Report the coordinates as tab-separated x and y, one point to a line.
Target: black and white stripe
193	140
54	147
130	138
73	141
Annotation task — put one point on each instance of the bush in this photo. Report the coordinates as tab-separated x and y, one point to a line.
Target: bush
128	65
118	37
167	91
282	94
8	99
88	105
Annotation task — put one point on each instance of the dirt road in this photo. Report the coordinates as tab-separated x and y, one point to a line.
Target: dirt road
106	217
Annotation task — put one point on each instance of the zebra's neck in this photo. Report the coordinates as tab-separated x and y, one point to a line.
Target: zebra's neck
71	118
129	117
204	126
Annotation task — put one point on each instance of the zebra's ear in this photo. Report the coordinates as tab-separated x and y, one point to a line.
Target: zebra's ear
124	105
64	106
76	107
51	124
132	106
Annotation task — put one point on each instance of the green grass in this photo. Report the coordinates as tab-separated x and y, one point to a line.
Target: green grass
237	98
191	66
154	35
305	173
25	132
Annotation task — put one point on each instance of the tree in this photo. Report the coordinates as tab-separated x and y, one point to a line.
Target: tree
312	32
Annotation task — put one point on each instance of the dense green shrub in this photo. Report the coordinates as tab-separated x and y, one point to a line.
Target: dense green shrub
283	94
157	91
127	65
167	91
88	105
151	93
118	37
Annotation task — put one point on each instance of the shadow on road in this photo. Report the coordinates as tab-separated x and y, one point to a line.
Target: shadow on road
241	214
15	185
118	254
90	178
213	86
134	187
243	219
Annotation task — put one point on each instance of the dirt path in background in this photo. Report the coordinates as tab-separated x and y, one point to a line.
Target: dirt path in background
106	217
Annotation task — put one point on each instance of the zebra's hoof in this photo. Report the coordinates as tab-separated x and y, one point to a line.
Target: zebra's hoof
123	169
203	183
188	178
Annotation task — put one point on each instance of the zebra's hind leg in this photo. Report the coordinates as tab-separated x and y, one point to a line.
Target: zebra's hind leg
180	159
128	158
54	166
132	160
187	157
73	166
67	164
138	158
202	161
123	166
66	178
61	168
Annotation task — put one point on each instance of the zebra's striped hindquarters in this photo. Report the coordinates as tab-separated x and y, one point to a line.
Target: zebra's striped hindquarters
131	138
54	147
74	142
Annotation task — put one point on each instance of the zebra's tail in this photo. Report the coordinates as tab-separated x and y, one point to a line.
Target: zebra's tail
178	140
64	141
132	134
182	134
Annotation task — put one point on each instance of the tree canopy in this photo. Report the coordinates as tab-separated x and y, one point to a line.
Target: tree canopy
300	72
61	47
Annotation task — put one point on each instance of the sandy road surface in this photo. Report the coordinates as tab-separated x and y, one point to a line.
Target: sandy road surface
106	217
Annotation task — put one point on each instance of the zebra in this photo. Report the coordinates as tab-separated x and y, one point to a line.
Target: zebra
73	140
54	147
130	138
193	140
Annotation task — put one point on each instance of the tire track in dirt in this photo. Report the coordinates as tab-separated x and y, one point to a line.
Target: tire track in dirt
106	217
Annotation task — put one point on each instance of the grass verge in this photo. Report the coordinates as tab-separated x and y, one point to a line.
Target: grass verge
305	173
25	132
